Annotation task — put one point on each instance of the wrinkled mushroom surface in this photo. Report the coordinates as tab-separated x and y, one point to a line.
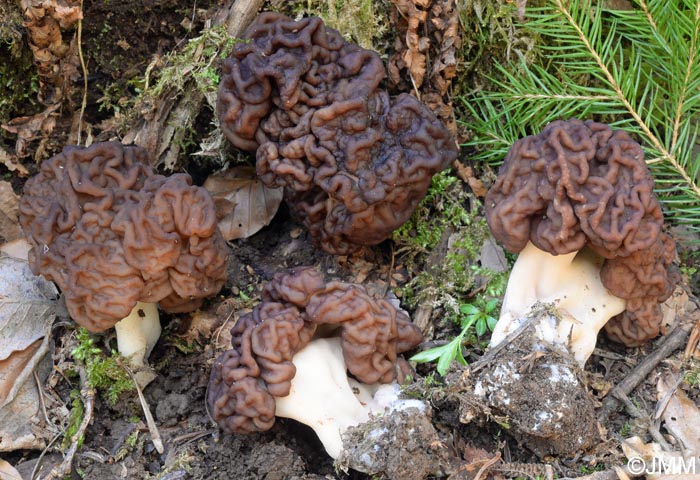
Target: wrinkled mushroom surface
111	233
246	379
354	163
581	184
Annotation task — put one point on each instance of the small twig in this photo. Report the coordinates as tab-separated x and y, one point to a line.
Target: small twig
692	341
152	428
87	394
43	452
192	436
673	342
85	72
653	429
42	402
391	272
487	465
661	406
493	352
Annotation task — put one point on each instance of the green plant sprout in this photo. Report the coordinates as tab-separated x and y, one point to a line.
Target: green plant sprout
479	315
638	70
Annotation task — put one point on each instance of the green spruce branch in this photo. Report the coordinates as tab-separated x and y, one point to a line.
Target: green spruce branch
638	70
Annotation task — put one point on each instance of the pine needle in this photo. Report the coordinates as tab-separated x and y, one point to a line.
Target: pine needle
637	70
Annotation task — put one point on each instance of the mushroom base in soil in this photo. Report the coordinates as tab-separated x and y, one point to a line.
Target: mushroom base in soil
323	397
553	309
560	418
576	203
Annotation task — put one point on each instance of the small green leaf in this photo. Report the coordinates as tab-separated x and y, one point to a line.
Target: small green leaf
431	354
480	327
468	309
491	321
491	305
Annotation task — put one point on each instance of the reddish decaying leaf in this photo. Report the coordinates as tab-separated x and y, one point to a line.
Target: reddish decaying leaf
243	204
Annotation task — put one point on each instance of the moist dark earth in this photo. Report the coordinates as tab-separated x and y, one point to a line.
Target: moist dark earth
121	40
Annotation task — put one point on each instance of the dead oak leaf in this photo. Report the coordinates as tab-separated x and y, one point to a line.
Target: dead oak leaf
27	311
681	416
12	163
9	212
30	127
243	204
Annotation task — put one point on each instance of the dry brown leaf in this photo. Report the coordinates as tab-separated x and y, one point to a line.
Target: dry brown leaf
681	416
30	127
44	21
12	163
8	472
658	464
243	204
9	211
27	310
199	325
17	248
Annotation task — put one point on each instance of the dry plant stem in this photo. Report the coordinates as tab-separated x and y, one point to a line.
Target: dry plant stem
85	74
652	425
152	428
672	343
42	402
87	395
37	465
156	131
692	341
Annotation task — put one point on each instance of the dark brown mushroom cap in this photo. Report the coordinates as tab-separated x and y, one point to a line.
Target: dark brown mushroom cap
582	184
110	233
295	304
354	163
374	332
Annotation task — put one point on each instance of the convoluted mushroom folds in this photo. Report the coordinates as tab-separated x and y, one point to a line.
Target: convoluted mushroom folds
117	239
291	357
354	163
576	202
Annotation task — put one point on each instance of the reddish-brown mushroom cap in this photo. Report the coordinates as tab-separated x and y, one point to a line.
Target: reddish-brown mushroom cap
581	184
354	163
111	233
265	341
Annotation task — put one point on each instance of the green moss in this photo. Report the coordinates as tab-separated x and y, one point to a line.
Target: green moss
492	35
19	82
102	371
446	236
74	419
198	60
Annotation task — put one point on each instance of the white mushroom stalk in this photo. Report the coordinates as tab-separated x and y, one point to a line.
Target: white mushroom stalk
572	284
324	398
138	333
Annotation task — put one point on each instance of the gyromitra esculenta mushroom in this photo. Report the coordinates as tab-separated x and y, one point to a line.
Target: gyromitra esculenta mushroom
354	163
117	239
576	202
291	357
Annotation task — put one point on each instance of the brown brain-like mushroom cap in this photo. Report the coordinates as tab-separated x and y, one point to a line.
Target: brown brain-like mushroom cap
111	233
245	379
354	163
582	184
